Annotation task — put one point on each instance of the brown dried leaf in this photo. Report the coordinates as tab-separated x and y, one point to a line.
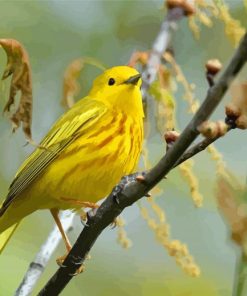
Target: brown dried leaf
19	67
184	4
139	57
233	210
71	86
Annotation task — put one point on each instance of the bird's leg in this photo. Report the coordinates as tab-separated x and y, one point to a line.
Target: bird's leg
55	213
68	246
90	213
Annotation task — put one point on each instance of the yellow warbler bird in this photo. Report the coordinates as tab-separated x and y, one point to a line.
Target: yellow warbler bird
83	156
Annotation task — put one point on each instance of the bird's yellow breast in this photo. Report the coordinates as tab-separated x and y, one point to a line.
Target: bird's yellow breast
90	167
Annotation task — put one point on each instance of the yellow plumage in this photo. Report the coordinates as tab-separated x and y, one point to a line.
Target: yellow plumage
85	153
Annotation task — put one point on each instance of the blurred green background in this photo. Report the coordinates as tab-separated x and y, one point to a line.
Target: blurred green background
56	32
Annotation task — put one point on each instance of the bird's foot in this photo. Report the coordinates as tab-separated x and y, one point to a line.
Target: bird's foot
83	216
87	215
60	261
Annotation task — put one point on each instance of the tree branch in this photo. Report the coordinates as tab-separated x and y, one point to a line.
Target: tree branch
114	205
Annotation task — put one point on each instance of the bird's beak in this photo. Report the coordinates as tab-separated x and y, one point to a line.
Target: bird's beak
133	79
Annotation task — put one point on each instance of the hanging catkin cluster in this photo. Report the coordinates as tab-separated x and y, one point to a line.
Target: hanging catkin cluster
161	229
207	11
190	177
180	78
233	29
122	238
174	248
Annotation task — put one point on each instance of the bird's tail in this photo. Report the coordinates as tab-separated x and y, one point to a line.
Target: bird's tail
6	235
10	219
7	228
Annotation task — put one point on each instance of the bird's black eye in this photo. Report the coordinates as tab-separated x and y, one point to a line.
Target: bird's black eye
111	81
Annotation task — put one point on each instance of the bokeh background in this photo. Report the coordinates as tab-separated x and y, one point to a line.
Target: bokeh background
56	32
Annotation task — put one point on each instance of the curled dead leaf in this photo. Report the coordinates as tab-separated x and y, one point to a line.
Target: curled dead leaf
19	67
138	57
71	86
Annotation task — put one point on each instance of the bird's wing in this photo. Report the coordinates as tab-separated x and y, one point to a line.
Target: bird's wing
73	123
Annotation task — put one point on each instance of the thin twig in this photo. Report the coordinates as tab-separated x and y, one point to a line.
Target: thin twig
195	149
39	263
114	205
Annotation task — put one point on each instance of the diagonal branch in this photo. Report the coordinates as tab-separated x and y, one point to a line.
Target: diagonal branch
114	205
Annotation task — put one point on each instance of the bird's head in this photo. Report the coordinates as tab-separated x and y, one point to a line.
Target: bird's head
119	88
